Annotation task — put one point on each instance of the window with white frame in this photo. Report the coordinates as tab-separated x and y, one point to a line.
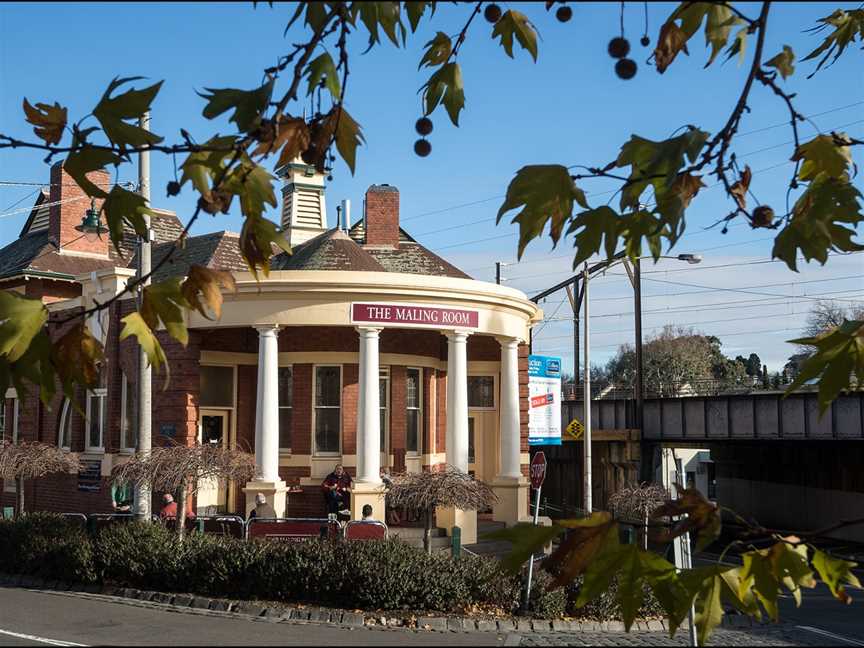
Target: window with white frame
14	420
384	405
328	410
286	408
64	430
128	417
96	402
414	414
481	392
3	420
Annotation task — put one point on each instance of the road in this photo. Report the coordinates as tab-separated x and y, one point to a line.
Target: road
40	618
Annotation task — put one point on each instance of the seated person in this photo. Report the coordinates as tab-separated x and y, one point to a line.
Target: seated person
367	513
121	498
169	508
262	508
337	489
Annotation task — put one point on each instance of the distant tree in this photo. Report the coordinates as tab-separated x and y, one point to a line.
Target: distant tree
22	461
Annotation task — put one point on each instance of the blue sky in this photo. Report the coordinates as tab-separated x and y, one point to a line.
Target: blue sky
567	108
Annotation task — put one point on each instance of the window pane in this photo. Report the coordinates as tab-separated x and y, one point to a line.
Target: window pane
412	440
130	421
95	438
327	430
66	424
470	440
286	387
382	392
481	391
217	386
285	418
3	420
412	390
327	386
383	428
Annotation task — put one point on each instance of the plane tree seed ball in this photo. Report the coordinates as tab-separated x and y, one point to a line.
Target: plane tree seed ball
422	147
619	47
423	126
625	68
492	13
564	14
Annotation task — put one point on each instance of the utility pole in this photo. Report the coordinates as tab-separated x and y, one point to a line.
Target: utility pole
498	272
143	495
586	404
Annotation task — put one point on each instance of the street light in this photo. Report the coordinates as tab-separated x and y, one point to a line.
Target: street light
90	225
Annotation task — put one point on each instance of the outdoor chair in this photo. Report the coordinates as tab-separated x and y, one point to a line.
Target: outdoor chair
99	521
78	518
365	530
224	525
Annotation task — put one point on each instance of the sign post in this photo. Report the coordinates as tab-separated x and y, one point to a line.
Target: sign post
538	476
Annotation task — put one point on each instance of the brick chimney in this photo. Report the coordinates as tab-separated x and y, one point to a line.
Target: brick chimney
382	216
67	215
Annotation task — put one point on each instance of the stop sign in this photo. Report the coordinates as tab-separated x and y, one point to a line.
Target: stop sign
538	470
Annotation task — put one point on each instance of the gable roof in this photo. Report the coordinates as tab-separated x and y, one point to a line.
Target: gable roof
36	253
409	257
330	250
217	251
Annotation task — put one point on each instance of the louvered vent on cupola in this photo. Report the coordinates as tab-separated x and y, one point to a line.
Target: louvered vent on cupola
304	212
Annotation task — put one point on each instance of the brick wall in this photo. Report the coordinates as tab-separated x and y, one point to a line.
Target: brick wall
382	215
301	441
65	217
350	401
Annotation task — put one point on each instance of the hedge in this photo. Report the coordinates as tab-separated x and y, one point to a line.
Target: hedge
373	574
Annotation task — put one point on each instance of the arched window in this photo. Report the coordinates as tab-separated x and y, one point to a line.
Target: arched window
64	431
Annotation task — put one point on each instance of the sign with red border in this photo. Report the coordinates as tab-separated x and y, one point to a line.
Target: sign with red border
414	315
538	470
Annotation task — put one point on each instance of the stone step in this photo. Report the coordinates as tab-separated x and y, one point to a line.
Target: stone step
438	543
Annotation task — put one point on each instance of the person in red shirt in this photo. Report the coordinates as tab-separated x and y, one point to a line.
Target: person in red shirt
337	491
169	508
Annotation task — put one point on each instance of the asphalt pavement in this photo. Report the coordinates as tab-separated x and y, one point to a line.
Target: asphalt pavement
41	617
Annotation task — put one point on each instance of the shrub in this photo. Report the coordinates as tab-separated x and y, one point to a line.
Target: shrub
547	603
139	555
606	607
46	545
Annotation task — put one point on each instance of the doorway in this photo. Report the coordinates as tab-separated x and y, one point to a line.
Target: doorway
214	495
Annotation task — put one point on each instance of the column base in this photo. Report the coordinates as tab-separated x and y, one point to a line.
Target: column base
513	494
448	517
372	494
274	491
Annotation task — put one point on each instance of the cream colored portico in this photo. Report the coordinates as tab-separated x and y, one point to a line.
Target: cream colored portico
325	298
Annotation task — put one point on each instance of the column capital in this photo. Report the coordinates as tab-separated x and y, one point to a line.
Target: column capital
369	331
266	329
457	336
509	342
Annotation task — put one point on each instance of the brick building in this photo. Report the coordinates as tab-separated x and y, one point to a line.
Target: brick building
362	348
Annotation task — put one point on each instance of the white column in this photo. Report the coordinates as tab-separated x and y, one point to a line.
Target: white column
267	410
369	423
457	400
510	432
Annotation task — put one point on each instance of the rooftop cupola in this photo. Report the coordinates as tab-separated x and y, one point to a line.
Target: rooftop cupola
304	213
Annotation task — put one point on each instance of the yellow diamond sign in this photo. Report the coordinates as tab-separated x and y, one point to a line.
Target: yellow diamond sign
574	430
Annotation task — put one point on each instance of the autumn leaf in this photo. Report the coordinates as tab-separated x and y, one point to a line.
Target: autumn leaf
783	62
583	543
673	202
202	167
671	41
415	11
323	68
248	105
822	153
81	162
112	113
740	188
437	51
33	367
164	303
134	324
385	14
121	206
526	540
77	357
49	121
700	515
848	25
546	193
445	86
294	138
254	186
257	238
206	283
514	24
591	228
21	318
347	136
839	354
834	572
